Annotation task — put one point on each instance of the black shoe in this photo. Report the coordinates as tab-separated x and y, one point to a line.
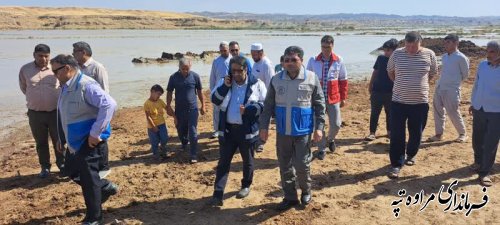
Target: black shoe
332	146
287	204
215	202
44	173
260	148
86	221
107	191
305	198
243	193
92	223
321	155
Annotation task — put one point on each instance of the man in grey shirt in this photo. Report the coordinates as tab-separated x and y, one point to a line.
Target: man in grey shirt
455	69
83	54
296	99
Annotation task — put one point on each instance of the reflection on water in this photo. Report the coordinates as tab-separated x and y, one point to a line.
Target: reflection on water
130	83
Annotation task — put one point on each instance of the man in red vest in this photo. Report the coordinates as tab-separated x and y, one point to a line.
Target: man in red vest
331	71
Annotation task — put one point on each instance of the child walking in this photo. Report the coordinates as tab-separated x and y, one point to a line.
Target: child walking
157	130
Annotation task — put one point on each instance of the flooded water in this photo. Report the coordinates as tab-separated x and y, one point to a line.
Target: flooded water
130	83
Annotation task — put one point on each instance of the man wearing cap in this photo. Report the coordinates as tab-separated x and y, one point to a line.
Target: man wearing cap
262	67
296	99
446	100
263	70
331	71
380	89
485	109
83	54
41	88
411	68
220	68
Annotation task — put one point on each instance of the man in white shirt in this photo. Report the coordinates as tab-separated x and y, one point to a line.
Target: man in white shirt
220	68
262	69
455	69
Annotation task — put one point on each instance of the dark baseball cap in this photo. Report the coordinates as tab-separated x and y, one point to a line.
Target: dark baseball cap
390	44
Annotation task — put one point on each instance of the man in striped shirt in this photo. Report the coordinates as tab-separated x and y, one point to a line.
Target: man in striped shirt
411	68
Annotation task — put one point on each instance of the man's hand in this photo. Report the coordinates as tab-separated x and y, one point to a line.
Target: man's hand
202	109
242	109
155	129
342	103
170	111
228	81
93	141
470	110
263	134
318	134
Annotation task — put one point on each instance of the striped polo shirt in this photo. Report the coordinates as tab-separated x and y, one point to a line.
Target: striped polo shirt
411	85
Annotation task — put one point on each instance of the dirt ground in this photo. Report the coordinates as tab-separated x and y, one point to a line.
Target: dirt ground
349	187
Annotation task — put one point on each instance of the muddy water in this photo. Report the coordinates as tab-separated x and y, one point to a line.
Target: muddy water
130	83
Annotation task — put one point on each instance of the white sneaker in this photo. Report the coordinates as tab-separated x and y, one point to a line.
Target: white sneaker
461	138
435	138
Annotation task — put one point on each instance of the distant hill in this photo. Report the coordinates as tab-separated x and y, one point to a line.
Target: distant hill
36	18
95	18
358	20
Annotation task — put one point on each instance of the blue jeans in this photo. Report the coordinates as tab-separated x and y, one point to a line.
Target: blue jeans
416	117
160	137
187	123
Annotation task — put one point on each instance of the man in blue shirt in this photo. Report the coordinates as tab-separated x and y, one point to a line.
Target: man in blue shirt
485	109
187	86
240	97
84	114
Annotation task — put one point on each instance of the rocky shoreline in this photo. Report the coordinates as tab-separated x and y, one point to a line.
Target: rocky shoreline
173	57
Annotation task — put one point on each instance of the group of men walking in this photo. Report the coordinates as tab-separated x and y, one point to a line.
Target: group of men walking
68	99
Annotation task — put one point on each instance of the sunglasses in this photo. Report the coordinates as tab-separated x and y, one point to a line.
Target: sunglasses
237	71
293	60
234	50
55	71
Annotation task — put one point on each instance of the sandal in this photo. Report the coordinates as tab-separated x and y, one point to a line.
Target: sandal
485	181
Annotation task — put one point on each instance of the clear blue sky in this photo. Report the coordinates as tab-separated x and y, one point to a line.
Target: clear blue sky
467	8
